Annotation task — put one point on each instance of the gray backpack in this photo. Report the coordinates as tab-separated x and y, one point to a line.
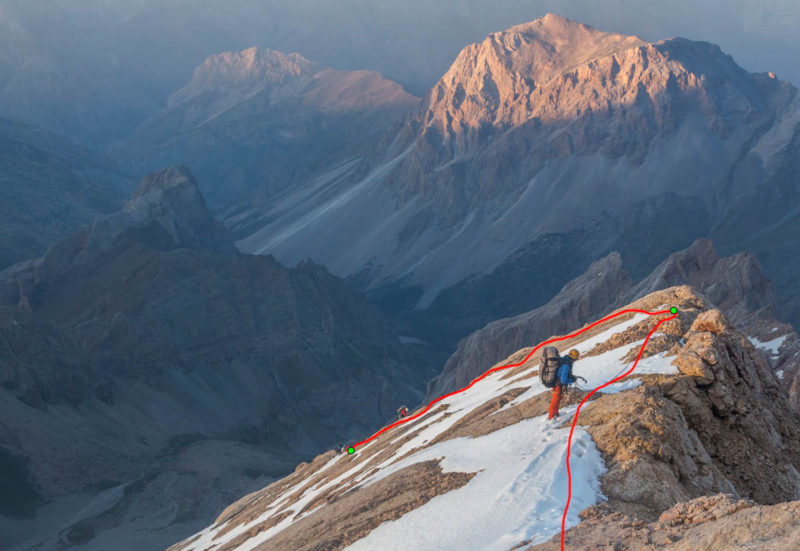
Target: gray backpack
549	369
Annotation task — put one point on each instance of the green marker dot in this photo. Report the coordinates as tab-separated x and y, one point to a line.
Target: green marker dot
351	450
673	310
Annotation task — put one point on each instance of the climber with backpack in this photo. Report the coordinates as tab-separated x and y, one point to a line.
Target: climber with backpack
402	411
556	372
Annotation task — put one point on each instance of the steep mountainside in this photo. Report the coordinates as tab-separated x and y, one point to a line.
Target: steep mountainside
736	284
144	361
702	415
553	128
256	122
581	300
49	187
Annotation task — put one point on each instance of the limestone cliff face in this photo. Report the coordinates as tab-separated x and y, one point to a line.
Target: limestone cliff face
559	88
231	77
514	76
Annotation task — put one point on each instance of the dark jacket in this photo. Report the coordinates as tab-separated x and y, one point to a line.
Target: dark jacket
564	373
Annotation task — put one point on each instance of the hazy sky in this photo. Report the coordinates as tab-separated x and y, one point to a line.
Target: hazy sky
406	36
141	51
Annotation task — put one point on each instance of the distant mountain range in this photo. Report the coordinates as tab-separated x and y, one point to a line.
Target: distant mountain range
65	86
255	123
157	361
548	144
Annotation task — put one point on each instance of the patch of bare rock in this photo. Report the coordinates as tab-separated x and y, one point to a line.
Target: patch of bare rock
720	523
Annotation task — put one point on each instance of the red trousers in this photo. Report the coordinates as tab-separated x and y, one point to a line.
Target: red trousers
555	402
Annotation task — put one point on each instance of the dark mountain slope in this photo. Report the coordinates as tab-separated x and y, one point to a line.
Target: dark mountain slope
49	187
145	351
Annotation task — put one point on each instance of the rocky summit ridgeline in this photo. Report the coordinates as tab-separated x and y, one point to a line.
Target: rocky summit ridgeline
150	373
736	283
702	415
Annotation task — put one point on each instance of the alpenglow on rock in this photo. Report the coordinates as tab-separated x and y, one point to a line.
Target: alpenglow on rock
553	128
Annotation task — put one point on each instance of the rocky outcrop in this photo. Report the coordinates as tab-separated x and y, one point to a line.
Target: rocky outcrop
257	122
183	360
724	427
166	213
739	286
715	522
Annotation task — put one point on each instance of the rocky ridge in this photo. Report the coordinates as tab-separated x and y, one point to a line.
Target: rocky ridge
716	522
736	284
581	300
703	416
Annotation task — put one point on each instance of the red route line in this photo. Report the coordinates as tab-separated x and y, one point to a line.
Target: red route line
501	367
525	359
578	411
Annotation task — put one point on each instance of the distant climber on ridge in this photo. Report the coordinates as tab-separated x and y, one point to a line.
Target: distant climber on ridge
556	373
402	411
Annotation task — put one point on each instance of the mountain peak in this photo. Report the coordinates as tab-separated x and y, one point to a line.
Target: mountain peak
171	177
171	200
499	81
552	24
545	47
248	71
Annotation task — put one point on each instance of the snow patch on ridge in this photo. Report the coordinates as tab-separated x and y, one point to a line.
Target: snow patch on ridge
518	493
772	346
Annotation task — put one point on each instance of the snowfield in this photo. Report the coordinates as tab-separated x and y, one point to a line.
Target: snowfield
520	487
518	494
